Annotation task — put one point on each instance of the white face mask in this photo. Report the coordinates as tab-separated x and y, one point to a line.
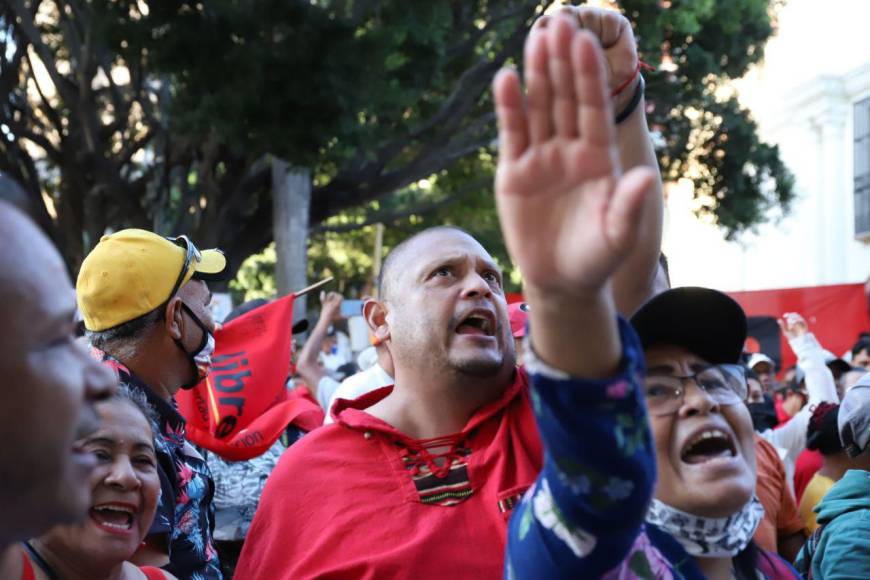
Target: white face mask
202	359
708	537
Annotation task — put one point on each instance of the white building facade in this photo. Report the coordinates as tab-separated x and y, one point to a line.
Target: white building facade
811	96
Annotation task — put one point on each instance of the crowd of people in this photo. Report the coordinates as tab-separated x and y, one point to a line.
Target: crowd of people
609	426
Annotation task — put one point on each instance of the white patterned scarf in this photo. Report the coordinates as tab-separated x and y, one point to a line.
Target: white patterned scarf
708	537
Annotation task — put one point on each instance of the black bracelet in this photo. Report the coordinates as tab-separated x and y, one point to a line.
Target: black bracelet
633	103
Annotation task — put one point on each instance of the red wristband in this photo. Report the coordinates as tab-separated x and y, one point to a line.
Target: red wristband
626	84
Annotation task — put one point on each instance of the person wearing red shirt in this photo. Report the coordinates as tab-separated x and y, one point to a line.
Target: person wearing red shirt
809	462
420	478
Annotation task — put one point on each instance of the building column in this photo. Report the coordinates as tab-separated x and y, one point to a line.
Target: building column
834	192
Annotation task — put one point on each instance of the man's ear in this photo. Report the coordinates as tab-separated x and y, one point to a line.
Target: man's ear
173	320
375	314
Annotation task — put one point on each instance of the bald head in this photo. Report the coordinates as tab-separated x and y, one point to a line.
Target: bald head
398	258
430	285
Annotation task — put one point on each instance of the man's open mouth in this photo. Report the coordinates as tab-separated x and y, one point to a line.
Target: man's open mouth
707	445
477	323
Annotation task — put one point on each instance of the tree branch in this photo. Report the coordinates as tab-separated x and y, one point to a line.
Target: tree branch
471	83
338	195
28	30
394	216
468	89
23	132
70	32
251	238
257	177
51	113
467	43
134	146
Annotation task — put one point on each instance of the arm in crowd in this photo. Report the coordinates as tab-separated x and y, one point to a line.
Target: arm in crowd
632	283
570	220
318	382
811	359
587	506
820	386
633	279
564	141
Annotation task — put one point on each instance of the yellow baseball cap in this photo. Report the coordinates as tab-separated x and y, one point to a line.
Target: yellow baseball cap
130	273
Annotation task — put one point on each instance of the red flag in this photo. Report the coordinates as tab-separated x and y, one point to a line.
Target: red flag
243	406
836	315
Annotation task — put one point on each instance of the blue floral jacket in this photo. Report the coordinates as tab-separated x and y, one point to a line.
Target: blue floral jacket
584	517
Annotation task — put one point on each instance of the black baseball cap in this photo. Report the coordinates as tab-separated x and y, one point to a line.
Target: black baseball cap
705	322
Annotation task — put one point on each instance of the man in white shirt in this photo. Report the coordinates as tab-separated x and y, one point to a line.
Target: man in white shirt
791	438
378	375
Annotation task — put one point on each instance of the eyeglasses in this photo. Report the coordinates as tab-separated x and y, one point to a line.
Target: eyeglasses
192	253
725	384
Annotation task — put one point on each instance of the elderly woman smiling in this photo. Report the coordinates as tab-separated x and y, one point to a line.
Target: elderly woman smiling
125	488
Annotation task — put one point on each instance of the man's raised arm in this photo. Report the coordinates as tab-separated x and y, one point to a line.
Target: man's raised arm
309	370
633	279
570	217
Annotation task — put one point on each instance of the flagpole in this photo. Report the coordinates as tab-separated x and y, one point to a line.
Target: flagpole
313	287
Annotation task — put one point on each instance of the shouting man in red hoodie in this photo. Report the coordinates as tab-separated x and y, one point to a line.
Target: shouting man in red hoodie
420	478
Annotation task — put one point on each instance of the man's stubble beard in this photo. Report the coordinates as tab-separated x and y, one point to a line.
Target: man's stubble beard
486	367
478	368
414	347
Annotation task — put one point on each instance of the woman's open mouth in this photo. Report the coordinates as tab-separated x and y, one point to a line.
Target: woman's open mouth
707	445
115	518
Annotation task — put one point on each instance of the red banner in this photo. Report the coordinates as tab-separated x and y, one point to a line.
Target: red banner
835	314
243	406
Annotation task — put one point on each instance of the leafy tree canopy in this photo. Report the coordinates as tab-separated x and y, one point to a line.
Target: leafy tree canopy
165	114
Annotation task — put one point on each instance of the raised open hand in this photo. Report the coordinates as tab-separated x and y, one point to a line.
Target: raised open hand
568	214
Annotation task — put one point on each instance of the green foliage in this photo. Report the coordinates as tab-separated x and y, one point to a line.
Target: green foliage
386	102
702	134
737	178
699	46
372	96
316	83
255	278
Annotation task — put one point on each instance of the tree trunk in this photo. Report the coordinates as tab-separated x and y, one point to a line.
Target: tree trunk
291	202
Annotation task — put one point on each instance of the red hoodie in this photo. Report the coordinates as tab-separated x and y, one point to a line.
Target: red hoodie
359	499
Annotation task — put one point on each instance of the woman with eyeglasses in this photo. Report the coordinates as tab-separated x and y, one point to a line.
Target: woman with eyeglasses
125	488
649	464
596	510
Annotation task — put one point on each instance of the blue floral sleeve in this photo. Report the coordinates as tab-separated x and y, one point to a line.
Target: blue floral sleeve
586	509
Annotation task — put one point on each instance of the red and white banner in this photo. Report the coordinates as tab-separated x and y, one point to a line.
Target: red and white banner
243	406
835	314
